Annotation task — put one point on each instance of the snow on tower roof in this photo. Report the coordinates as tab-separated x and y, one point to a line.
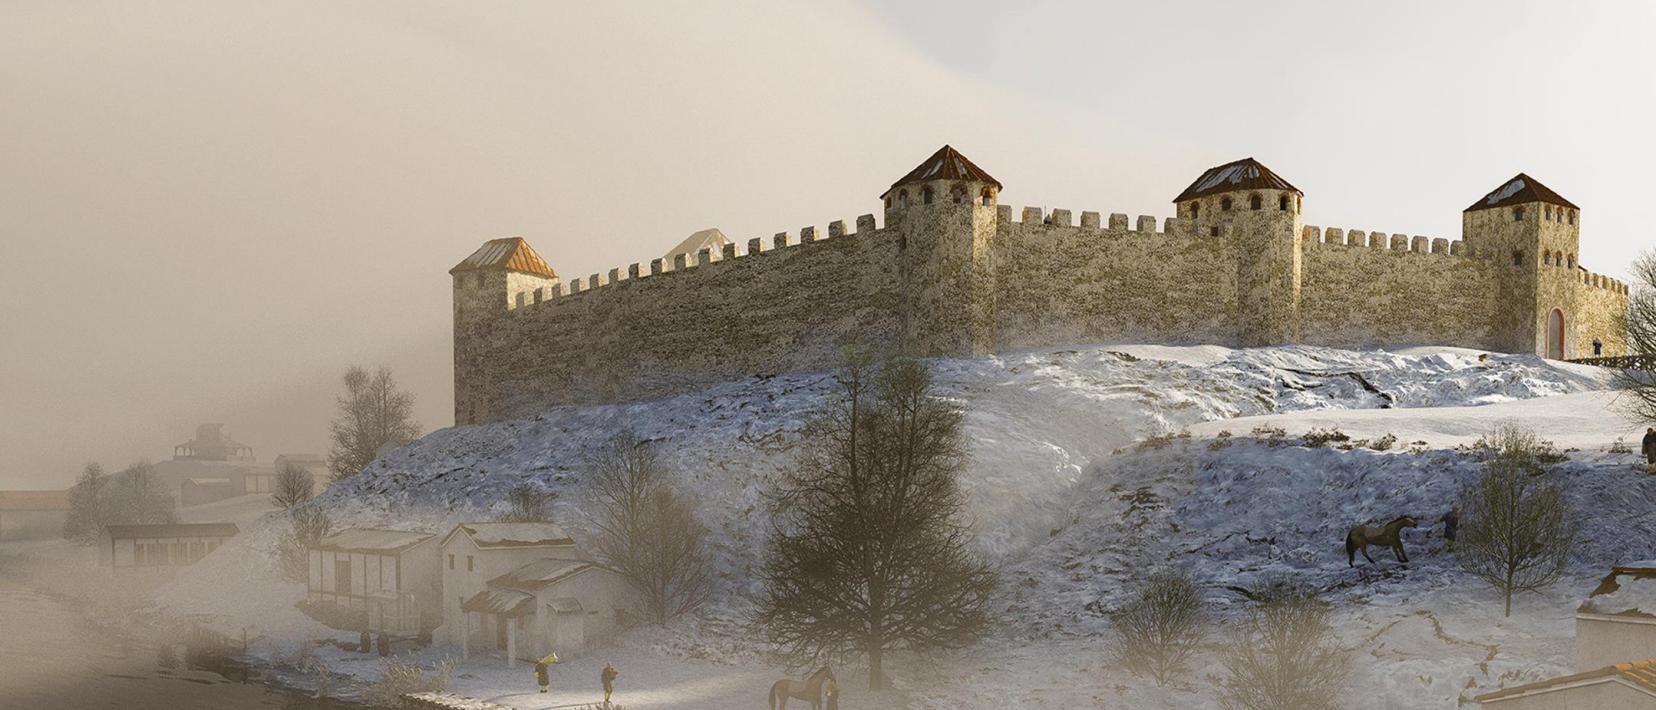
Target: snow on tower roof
1244	174
946	164
507	254
710	238
1519	190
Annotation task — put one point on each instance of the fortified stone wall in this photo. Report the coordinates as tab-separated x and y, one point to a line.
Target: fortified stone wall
1092	282
786	306
1364	289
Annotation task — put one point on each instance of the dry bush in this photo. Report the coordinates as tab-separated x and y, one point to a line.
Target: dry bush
1220	440
294	485
646	530
1283	655
1383	443
528	504
401	676
309	525
1159	630
1318	438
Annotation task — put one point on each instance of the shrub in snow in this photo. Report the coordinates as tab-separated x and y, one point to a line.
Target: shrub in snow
528	504
1383	443
399	677
647	530
1159	630
1283	654
1318	438
1516	530
309	525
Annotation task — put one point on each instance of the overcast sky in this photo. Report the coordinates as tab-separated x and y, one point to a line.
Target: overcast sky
209	209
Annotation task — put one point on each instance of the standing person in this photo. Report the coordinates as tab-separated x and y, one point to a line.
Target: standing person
1649	448
543	671
1451	520
608	678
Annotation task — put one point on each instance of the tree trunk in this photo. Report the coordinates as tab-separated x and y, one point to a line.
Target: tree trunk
876	673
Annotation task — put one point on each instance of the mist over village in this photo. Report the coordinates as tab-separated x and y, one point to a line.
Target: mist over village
899	356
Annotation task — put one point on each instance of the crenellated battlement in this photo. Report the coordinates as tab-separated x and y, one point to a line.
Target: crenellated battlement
949	271
1314	237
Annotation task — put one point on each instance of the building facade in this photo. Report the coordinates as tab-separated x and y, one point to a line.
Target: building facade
954	273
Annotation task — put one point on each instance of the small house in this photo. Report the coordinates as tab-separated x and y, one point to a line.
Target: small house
380	580
1623	686
566	606
200	490
126	547
1617	621
32	514
472	554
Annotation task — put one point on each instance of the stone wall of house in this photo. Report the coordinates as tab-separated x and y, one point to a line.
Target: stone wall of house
782	305
1063	282
1363	289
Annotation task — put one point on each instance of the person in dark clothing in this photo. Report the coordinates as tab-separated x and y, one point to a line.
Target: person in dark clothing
1649	448
608	679
1451	520
384	643
365	643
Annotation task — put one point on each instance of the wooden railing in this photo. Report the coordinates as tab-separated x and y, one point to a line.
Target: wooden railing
1622	362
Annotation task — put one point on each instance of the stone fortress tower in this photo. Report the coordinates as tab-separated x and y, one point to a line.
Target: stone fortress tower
953	273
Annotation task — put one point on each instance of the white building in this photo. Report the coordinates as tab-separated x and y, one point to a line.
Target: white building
1624	686
386	580
129	547
1617	621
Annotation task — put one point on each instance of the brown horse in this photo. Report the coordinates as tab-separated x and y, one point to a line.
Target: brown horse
1389	535
809	690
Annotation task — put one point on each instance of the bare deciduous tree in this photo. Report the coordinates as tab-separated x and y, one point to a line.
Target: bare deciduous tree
647	531
309	524
528	504
870	550
1516	532
294	485
1639	327
1283	655
89	506
141	499
1159	630
372	414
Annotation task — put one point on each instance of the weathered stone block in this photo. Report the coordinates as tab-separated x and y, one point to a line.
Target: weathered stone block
1089	219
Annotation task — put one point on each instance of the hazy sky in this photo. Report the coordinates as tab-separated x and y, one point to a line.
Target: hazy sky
209	209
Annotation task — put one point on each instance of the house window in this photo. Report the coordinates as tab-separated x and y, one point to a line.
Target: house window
1517	214
1282	203
451	561
1254	203
342	576
1225	205
138	555
469	566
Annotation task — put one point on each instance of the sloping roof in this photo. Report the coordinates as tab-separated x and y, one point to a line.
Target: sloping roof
508	254
710	238
1629	590
1244	174
34	500
126	532
504	602
372	540
1519	190
489	535
946	164
209	481
540	573
1639	674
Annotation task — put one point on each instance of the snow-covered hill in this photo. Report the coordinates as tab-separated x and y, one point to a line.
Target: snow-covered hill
1062	497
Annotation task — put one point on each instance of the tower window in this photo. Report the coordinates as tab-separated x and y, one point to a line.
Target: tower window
1517	214
1572	216
957	194
1517	258
1254	203
1547	212
1546	258
988	197
1213	231
902	198
1282	203
1195	210
480	279
888	202
1225	205
1572	261
926	195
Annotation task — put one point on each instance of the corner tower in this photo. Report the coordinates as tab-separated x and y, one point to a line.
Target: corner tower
942	215
502	275
1530	236
1257	212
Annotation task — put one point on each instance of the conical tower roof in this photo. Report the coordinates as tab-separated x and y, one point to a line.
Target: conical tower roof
1237	175
946	164
506	254
1519	190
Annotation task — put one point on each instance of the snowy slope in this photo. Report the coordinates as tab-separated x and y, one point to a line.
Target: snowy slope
1069	522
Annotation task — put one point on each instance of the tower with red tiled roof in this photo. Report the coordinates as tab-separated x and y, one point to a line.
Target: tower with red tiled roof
945	213
1257	214
1531	236
503	274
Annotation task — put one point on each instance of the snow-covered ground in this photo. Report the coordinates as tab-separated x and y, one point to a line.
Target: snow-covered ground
1071	509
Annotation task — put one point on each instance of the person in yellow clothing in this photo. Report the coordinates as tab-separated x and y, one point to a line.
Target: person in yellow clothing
543	670
607	677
